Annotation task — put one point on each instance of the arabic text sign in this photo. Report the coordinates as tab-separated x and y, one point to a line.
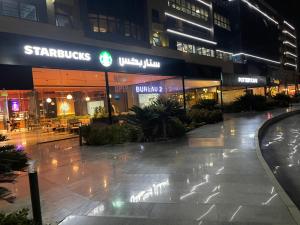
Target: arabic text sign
141	63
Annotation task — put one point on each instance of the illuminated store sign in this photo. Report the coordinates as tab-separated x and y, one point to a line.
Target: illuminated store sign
105	59
247	80
148	89
56	53
141	63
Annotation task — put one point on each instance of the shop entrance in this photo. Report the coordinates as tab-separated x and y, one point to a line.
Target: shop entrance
62	100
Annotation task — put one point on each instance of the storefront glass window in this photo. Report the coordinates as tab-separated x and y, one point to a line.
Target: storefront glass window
128	90
197	90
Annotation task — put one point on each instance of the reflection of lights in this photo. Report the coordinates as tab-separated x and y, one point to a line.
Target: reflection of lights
234	214
232	132
87	98
206	213
118	203
211	196
269	200
220	170
154	190
97	211
52	103
75	168
69	96
104	182
48	100
54	162
90	190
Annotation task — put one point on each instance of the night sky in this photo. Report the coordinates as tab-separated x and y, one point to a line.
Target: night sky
290	9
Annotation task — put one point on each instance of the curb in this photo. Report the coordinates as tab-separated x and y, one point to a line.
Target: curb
295	213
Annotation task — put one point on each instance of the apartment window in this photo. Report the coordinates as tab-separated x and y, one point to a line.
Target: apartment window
110	24
189	8
221	21
63	15
156	39
199	50
19	10
224	56
63	20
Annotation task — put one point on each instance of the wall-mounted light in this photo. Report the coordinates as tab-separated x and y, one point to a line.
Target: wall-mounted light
229	53
290	44
289	25
257	57
188	21
291	54
69	97
191	37
261	12
286	32
290	64
87	99
205	3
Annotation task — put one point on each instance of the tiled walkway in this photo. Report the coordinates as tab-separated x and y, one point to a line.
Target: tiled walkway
211	177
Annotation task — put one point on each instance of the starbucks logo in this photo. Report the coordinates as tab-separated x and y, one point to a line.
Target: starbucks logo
105	59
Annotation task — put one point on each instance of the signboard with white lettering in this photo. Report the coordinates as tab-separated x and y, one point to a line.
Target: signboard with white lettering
248	80
148	89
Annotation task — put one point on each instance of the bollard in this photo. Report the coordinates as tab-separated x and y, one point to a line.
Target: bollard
35	193
80	136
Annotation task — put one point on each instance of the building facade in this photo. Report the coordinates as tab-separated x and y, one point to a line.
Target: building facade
64	59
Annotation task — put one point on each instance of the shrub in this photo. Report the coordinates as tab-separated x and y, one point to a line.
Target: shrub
16	218
206	116
155	119
175	128
248	102
282	100
112	134
209	104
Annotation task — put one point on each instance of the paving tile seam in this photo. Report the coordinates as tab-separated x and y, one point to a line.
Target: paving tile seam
292	208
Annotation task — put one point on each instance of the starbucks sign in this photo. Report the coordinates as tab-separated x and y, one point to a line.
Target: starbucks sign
105	59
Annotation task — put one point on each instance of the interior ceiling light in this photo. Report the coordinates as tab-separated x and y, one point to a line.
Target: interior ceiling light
191	37
69	96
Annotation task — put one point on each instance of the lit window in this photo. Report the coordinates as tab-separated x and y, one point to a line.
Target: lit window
28	12
63	21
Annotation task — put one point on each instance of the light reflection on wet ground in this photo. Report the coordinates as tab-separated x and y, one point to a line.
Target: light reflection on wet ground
212	176
281	150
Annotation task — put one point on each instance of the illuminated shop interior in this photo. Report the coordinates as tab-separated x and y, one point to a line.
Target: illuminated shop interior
63	95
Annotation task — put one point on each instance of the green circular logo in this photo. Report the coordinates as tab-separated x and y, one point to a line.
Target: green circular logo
105	59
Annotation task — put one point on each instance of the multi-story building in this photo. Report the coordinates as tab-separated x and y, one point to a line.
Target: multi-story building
61	58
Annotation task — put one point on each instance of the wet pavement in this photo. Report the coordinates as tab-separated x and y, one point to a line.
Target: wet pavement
212	176
280	148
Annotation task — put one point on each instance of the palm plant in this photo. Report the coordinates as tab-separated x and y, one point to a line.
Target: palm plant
154	119
11	160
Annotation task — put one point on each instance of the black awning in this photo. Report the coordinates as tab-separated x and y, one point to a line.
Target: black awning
16	77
